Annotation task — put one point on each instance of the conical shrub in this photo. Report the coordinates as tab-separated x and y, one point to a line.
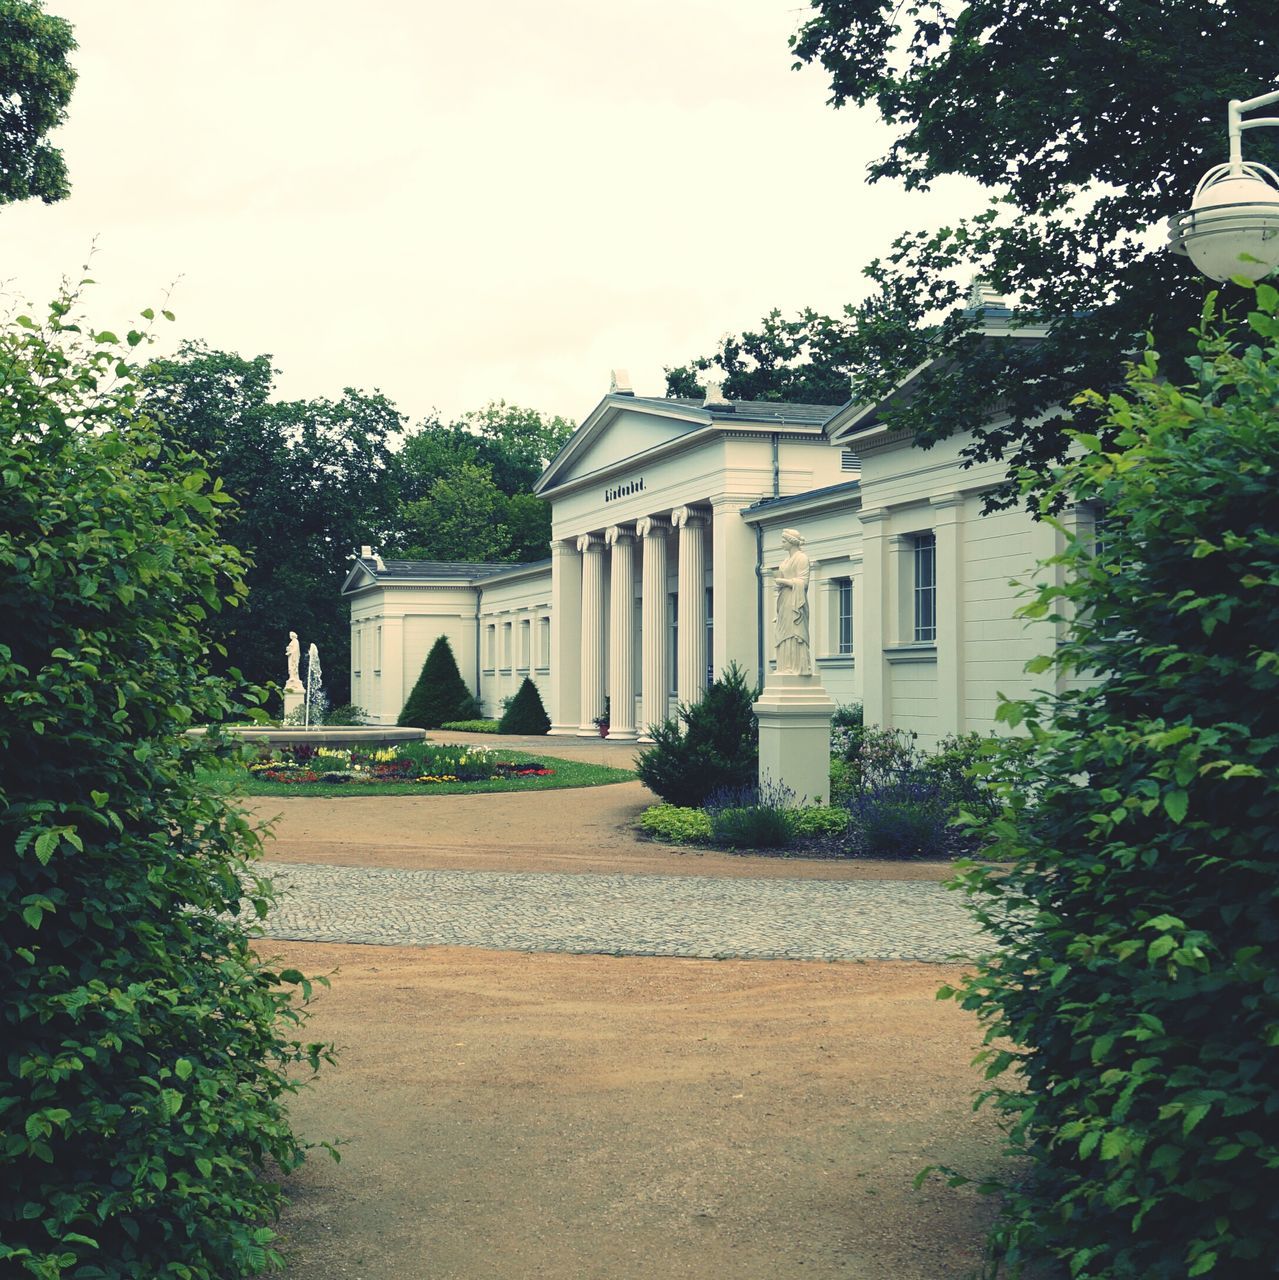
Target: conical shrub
525	714
440	693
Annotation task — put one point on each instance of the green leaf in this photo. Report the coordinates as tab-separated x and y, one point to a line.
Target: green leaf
46	843
1176	803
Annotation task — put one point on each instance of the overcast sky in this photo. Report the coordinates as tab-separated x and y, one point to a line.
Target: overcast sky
459	203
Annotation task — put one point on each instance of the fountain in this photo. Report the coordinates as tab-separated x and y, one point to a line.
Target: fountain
304	706
315	699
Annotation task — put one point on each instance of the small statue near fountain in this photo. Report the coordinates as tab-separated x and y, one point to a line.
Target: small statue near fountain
294	693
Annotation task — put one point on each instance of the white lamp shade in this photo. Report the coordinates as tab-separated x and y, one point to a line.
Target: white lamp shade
1232	228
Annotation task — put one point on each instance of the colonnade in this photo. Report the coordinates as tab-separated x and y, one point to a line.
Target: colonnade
582	591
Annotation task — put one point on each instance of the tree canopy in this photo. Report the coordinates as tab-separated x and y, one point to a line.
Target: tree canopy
466	486
313	479
36	80
1089	125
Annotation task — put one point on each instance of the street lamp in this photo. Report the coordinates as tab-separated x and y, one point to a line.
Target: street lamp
1232	228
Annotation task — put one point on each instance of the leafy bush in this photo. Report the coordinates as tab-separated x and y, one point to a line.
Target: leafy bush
848	716
346	714
841	781
716	746
906	817
1135	985
676	824
440	692
470	726
752	817
525	715
820	820
147	1057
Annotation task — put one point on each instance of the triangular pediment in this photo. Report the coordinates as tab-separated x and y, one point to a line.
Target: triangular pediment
360	576
619	429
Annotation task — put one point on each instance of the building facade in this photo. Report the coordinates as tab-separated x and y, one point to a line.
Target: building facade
666	517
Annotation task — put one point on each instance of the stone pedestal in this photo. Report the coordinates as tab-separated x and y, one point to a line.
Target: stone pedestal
294	699
794	737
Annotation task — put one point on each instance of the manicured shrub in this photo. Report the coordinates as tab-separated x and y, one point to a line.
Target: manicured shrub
905	817
1133	984
525	715
709	746
676	825
820	820
146	1048
471	726
440	692
752	817
346	714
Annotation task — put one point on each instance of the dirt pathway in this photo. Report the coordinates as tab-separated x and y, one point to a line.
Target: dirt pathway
511	1115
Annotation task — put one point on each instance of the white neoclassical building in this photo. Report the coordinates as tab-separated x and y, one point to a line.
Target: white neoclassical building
666	515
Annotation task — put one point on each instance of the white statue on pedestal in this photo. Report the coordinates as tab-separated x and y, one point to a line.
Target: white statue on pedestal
790	622
293	652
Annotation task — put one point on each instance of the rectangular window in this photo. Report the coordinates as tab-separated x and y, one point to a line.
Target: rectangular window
710	635
490	646
526	644
377	664
355	653
925	557
506	646
844	615
672	633
544	643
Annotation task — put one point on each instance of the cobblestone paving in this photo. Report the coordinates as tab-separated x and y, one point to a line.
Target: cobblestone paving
628	915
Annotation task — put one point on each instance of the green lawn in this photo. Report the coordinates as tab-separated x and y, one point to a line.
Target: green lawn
568	773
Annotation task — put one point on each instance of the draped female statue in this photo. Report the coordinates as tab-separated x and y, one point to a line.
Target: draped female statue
790	622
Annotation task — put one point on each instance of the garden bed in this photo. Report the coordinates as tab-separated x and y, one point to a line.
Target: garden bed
409	769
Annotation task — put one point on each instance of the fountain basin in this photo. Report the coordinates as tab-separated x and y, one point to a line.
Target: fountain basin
368	735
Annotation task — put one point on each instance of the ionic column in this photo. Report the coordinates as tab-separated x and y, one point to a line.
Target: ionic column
591	547
691	664
621	643
566	637
655	677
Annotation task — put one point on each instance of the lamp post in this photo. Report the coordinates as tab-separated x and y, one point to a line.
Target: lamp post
1232	227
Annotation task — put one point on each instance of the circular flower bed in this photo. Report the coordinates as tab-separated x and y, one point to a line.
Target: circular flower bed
418	762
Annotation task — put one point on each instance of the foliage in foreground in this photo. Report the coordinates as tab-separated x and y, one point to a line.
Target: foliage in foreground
1136	973
145	1046
710	745
440	692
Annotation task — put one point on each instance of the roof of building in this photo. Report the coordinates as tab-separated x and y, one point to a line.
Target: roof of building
753	410
444	570
809	495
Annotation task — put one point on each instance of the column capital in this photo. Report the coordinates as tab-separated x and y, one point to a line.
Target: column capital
651	527
688	517
618	533
946	501
590	542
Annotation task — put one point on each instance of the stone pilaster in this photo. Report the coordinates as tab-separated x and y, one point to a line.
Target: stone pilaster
691	664
872	619
948	530
621	636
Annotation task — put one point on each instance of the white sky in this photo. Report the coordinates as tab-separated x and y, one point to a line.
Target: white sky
459	203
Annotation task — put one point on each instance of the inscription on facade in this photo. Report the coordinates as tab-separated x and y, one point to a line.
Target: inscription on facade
624	490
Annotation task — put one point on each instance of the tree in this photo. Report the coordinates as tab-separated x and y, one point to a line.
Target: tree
312	479
459	519
36	81
147	1048
440	693
811	359
1133	978
466	486
526	714
1088	124
711	745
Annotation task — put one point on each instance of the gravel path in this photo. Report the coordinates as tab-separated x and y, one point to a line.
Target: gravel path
625	915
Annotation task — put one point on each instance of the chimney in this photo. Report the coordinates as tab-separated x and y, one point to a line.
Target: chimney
620	383
366	553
